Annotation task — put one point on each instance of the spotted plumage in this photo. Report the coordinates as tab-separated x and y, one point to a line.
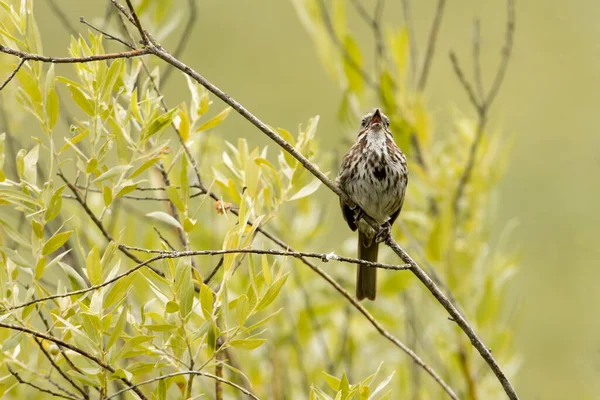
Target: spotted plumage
374	175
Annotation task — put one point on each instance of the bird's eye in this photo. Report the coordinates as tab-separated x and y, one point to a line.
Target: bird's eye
387	121
363	122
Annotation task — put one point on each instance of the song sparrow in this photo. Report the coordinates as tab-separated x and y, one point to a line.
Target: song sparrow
374	175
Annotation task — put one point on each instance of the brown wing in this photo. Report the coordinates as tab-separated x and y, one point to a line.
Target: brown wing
349	215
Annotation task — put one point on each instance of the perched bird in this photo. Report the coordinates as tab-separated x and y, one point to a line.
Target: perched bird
374	176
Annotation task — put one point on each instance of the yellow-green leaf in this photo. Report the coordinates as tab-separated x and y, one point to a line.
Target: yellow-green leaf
55	242
92	266
214	121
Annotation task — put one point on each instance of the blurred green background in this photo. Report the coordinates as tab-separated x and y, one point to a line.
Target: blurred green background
258	52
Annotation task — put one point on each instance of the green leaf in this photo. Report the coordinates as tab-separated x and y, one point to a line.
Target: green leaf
306	190
92	266
352	69
206	301
52	103
40	266
189	224
246	344
158	123
114	71
332	381
147	164
116	332
2	156
118	291
242	309
383	384
12	341
184	124
55	242
272	292
54	205
121	373
111	173
185	287
30	162
107	195
38	229
164	217
81	100
173	195
171	307
214	121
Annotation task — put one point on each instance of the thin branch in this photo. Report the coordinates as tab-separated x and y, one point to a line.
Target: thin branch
506	51
164	239
415	268
482	106
137	22
106	34
340	45
65	22
39	388
71	60
214	271
358	306
198	373
477	58
465	83
75	349
484	351
374	23
433	34
179	254
412	38
185	36
60	371
12	74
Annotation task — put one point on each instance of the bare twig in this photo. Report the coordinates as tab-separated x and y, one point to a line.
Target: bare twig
71	60
192	14
464	325
164	239
65	22
106	34
477	58
198	373
76	349
412	38
12	74
179	254
137	22
341	47
60	371
214	271
39	388
433	34
374	23
482	104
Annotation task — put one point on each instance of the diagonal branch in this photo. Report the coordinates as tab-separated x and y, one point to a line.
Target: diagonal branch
76	349
433	34
198	373
415	268
12	74
71	60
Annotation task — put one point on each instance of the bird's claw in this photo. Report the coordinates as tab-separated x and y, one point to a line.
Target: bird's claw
358	214
384	232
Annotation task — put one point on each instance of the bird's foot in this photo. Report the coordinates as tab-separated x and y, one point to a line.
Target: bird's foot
358	214
384	232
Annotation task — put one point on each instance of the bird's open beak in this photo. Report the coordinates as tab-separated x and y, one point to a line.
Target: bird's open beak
376	119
